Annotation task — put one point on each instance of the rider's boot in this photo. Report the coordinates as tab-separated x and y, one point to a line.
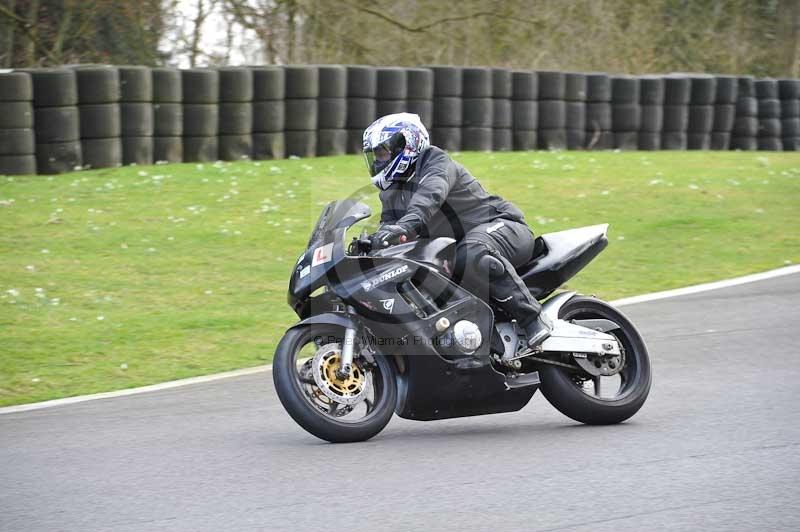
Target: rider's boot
538	330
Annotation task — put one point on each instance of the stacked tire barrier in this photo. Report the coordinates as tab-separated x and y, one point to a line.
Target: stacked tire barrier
789	92
552	132
599	135
302	92
17	138
100	120
525	110
136	114
167	115
626	112
502	116
200	89
55	120
447	107
745	125
724	112
332	110
269	113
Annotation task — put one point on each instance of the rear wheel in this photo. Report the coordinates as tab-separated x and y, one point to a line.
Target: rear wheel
600	400
332	408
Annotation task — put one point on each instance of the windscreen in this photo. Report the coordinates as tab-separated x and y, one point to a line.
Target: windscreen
342	213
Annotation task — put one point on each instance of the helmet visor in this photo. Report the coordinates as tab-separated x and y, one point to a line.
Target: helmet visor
377	159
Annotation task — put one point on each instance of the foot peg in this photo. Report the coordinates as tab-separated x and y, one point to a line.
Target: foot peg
520	381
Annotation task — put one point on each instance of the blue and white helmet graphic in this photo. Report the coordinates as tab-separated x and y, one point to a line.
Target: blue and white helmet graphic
392	145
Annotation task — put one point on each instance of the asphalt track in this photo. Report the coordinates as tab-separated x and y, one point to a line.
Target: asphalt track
716	447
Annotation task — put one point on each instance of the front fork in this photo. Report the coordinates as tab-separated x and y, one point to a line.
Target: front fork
346	365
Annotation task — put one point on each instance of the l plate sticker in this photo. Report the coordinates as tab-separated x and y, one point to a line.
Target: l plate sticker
322	255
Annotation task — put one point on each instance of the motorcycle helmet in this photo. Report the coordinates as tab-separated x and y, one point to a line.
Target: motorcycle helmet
392	145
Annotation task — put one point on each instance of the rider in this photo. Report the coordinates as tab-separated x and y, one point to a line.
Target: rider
425	193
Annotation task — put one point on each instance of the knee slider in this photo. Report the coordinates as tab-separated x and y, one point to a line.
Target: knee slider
491	266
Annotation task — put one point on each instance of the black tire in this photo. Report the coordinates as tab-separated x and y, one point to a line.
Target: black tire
625	89
552	139
447	81
200	86
652	119
58	157
525	115
502	139
552	85
312	419
598	87
789	89
724	115
746	87
167	119
389	107
746	106
524	85
651	90
332	113
769	127
200	149
235	84
745	126
789	109
744	143
476	139
301	143
704	90
698	141
502	117
167	85
361	112
476	82
16	115
423	108
54	87
235	118
770	144
56	124
562	392
420	84
269	116
235	147
168	149
766	89
362	82
552	114
649	141
135	84
677	90
17	142
200	119
269	83
447	138
676	118
15	87
769	109
502	85
98	84
576	116
269	145
137	119
791	143
355	141
576	139
302	81
720	141
332	81
447	112
331	142
626	117
598	116
101	120
477	112
301	114
626	140
137	150
727	90
790	127
701	118
101	153
525	139
575	87
17	165
599	140
673	140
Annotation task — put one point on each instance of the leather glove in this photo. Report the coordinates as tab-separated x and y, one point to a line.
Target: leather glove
388	235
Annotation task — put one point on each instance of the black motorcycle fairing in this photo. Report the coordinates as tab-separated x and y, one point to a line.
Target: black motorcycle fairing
438	252
330	318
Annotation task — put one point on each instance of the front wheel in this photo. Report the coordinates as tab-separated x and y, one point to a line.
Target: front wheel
318	399
600	400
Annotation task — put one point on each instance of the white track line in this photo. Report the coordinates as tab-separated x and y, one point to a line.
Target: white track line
260	369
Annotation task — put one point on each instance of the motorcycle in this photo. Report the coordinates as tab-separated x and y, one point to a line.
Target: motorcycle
389	331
